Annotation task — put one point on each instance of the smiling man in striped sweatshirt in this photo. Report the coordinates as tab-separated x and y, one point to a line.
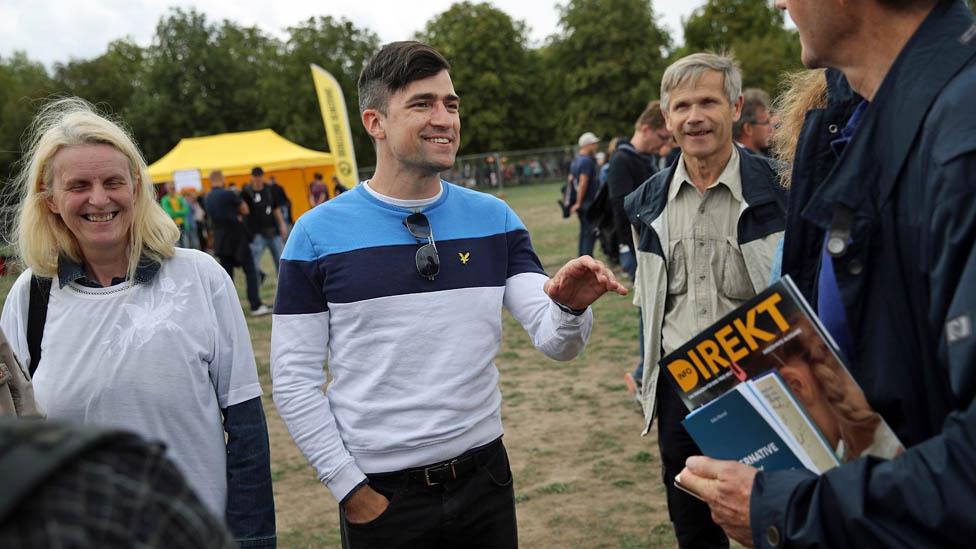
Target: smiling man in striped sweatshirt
399	284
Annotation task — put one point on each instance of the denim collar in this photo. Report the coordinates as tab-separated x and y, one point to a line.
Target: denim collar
72	271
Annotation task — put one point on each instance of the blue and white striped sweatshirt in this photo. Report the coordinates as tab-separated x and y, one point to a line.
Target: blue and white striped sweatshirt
411	360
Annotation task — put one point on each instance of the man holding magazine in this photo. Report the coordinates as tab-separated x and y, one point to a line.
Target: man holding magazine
896	282
706	231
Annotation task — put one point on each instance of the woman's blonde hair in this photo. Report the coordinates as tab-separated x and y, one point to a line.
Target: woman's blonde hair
802	92
41	236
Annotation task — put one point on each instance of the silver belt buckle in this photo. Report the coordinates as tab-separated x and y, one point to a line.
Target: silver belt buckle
439	468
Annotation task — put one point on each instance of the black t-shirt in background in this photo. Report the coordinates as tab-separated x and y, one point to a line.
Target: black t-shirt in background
262	204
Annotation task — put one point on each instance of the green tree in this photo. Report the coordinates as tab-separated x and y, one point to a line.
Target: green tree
753	31
339	47
606	61
200	79
491	68
23	84
110	80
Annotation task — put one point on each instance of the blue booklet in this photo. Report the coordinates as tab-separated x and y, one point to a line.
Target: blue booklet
733	427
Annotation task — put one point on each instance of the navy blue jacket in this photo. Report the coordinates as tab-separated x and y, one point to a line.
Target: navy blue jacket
905	186
813	163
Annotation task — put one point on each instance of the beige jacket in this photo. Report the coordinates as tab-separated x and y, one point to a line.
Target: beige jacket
16	391
761	222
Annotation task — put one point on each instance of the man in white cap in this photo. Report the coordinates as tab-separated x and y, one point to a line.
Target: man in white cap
582	173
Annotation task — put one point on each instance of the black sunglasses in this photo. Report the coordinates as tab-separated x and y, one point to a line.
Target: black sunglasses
428	263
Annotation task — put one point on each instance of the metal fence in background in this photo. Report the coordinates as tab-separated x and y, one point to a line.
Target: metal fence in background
504	169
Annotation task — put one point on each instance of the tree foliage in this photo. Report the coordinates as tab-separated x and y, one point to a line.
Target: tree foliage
198	77
753	31
201	77
337	46
606	64
110	80
22	84
492	73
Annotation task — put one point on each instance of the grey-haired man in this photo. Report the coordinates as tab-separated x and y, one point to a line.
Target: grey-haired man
706	231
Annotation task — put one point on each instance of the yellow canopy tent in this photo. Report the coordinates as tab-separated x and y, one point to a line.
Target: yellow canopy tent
236	153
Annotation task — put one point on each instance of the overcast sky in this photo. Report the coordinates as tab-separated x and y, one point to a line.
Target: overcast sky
58	30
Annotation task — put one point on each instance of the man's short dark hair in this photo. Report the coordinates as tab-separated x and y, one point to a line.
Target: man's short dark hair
753	99
391	69
652	116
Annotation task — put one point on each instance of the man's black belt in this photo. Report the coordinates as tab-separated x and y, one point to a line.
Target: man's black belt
449	470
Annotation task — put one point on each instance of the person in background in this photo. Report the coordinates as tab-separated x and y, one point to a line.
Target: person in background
191	234
582	178
337	187
706	231
264	220
281	197
318	192
600	213
136	333
754	128
178	210
227	212
200	221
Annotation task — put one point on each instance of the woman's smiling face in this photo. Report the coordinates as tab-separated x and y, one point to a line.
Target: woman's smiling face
93	193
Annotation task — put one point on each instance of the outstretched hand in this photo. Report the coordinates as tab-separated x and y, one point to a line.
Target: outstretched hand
581	282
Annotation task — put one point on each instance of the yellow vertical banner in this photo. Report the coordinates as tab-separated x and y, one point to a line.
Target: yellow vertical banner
336	120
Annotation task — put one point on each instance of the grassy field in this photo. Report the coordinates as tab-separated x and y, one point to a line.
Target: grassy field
583	475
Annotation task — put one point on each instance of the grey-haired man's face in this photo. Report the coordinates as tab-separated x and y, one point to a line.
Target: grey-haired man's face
700	116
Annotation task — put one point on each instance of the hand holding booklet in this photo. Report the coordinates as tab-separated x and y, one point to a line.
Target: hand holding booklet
766	386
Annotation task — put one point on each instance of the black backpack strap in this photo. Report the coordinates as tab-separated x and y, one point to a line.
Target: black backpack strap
40	294
33	450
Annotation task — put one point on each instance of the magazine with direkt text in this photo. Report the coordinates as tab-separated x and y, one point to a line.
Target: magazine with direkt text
766	386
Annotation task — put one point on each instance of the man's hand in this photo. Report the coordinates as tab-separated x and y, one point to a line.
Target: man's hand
580	282
725	486
365	505
574	208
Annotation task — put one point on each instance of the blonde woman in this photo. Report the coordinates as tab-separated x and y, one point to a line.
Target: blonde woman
136	333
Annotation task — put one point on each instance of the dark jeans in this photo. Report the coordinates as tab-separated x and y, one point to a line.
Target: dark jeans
476	510
250	275
691	518
587	239
629	264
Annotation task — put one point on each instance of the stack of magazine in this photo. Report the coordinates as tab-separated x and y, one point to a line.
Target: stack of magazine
766	386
